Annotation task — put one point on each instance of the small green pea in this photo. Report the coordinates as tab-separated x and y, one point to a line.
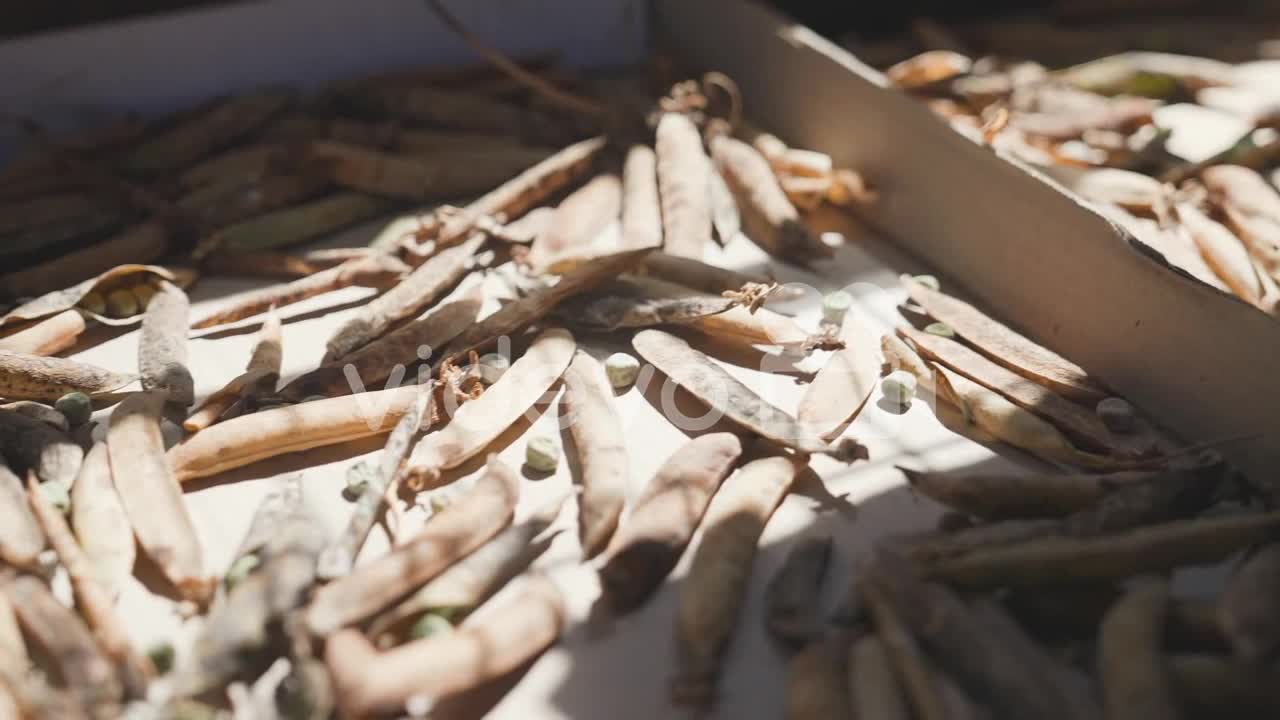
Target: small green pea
122	304
94	303
76	407
240	570
431	623
940	329
162	656
929	281
542	454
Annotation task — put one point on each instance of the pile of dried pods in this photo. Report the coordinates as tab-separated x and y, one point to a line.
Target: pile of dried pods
997	617
1181	150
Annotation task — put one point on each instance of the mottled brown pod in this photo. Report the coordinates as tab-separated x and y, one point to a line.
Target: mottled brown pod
682	167
647	546
162	346
716	586
768	217
487	647
31	377
100	522
450	535
151	496
793	597
1131	665
46	337
641	205
21	539
602	451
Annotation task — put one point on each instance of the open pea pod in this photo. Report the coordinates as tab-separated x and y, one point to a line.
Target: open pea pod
121	277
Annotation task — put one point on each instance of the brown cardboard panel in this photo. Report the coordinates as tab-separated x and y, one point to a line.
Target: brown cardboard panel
1200	361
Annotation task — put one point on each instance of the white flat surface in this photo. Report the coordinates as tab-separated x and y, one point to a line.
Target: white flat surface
622	670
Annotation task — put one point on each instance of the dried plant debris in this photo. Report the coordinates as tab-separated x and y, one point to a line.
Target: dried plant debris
716	588
457	530
711	384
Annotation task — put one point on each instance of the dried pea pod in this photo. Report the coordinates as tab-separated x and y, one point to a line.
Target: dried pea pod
481	420
280	264
21	538
1060	560
641	204
539	303
1224	253
218	126
817	684
715	588
1135	682
407	298
237	199
460	528
711	384
92	599
30	444
259	378
1252	209
378	360
873	685
486	647
46	337
1246	609
69	645
339	556
100	522
1022	495
1004	346
1080	423
911	668
612	312
928	68
268	433
143	242
793	595
602	452
578	220
58	301
446	173
768	217
978	658
151	496
162	346
294	225
683	168
373	270
458	591
647	546
516	196
695	274
841	388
